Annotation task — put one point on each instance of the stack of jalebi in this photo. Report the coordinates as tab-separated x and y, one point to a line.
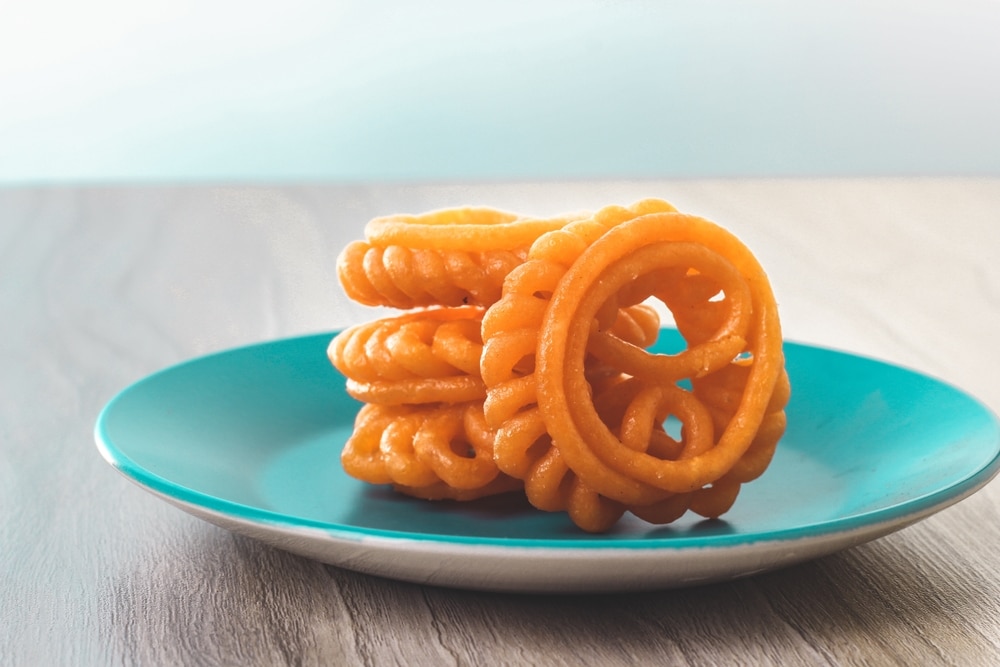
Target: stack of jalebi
545	382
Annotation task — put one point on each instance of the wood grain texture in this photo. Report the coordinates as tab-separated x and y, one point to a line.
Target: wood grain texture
101	286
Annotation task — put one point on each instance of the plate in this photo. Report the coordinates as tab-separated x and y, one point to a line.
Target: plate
249	439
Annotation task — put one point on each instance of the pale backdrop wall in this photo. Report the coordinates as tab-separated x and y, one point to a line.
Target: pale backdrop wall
187	90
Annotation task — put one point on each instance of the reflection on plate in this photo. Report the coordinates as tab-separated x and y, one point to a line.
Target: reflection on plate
249	439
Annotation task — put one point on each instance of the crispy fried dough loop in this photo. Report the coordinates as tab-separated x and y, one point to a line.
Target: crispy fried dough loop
596	445
449	257
743	325
432	451
426	356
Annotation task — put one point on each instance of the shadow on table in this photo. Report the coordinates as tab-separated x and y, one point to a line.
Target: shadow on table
502	517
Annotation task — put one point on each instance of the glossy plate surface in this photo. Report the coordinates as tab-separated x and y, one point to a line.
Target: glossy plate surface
249	439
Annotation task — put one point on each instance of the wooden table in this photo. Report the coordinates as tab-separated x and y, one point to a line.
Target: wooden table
100	286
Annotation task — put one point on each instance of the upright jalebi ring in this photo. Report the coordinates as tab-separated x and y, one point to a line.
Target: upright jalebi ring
731	324
551	416
449	257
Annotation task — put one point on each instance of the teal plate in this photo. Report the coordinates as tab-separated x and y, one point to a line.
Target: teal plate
249	439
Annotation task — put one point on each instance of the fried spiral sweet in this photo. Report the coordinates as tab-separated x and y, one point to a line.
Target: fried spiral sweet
547	382
741	329
426	356
598	454
449	257
427	451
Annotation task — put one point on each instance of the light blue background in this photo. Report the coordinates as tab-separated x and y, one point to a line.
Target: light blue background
180	90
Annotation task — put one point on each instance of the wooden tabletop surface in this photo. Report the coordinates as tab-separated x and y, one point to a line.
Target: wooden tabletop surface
100	286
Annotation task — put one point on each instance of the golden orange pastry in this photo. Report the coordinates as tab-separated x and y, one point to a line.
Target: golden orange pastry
432	452
424	356
550	377
450	257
